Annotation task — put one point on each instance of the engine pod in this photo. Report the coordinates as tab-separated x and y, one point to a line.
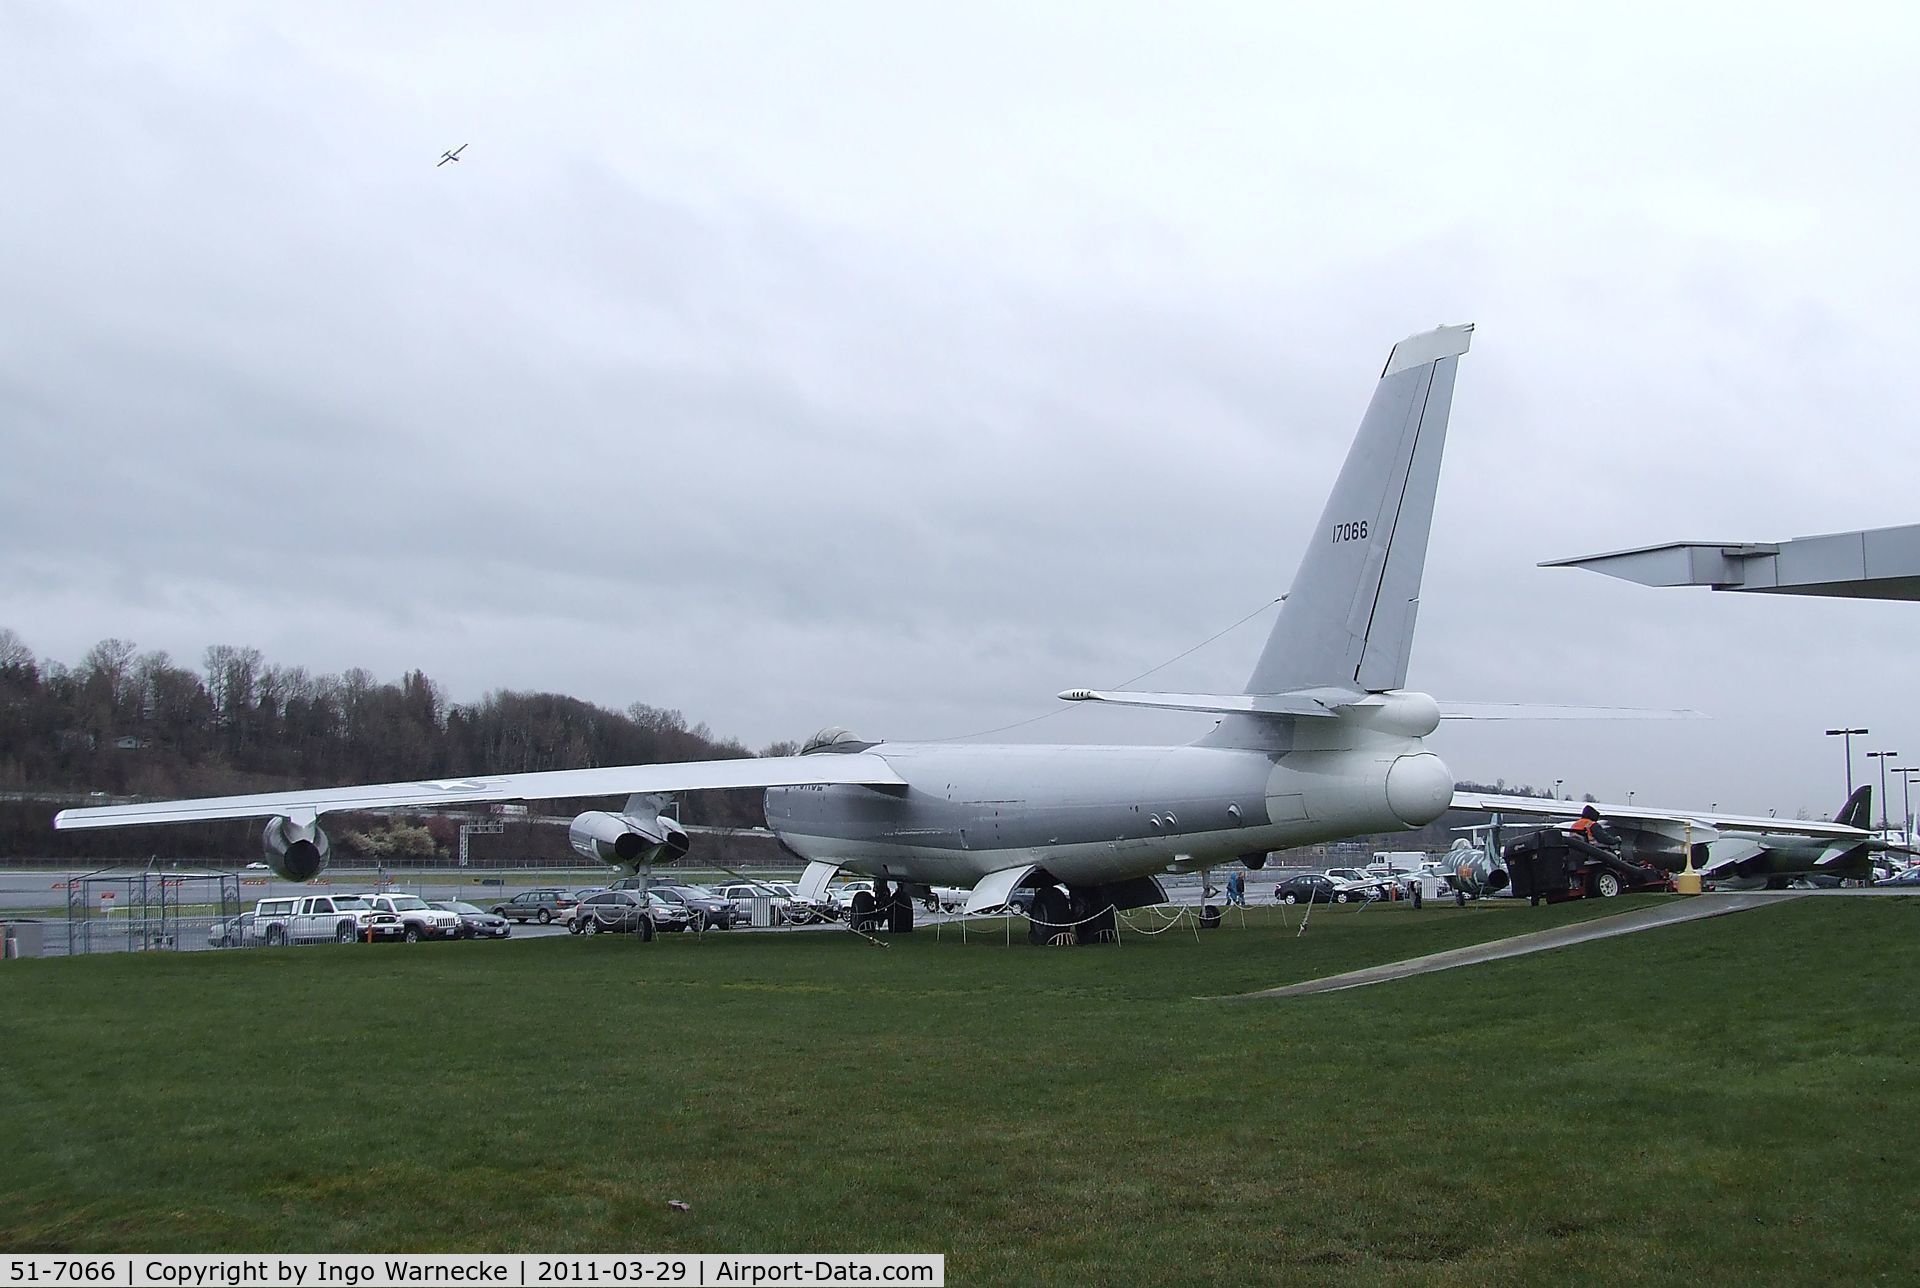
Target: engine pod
1419	788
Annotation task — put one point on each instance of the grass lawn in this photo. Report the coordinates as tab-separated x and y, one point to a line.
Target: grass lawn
1723	1100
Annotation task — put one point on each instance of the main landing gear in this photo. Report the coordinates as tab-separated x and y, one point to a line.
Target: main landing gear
1074	915
889	907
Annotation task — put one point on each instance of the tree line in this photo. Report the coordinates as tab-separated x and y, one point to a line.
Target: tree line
127	723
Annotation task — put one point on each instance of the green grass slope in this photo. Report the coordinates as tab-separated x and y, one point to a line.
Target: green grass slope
1723	1100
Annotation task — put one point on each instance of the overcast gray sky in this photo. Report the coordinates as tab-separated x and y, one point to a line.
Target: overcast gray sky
878	366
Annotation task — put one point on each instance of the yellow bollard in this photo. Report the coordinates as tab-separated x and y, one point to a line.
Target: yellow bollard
1688	882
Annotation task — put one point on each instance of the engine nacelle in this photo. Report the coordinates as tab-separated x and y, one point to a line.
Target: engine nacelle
1255	861
296	851
623	841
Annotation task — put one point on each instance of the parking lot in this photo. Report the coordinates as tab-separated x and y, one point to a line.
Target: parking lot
39	903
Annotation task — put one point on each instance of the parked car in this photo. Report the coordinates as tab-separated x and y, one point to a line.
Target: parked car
1910	877
234	932
418	919
667	914
741	896
310	919
475	922
710	911
1308	887
948	899
566	915
535	905
617	911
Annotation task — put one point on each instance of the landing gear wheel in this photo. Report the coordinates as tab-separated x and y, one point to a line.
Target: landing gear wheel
646	930
1606	885
900	914
1210	917
1460	898
1093	917
862	917
543	916
1047	918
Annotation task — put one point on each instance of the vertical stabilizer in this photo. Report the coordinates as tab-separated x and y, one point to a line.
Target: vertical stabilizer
1858	811
1348	618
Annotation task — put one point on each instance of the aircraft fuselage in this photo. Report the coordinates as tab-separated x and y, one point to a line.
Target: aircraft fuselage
1093	814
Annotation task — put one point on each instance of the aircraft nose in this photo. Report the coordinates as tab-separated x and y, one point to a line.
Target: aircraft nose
1419	788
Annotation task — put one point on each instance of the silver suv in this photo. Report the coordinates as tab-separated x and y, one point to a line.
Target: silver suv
616	911
418	918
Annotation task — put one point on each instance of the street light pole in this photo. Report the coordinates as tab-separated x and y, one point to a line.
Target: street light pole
1883	757
1907	773
1848	735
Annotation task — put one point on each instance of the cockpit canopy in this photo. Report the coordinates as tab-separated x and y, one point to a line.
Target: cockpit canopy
834	738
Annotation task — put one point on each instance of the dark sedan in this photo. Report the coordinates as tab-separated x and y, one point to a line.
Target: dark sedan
705	908
1308	887
476	923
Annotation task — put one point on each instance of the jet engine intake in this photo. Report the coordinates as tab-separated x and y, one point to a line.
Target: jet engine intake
623	841
296	851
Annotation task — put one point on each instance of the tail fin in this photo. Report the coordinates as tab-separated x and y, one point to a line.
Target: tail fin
1348	618
1858	811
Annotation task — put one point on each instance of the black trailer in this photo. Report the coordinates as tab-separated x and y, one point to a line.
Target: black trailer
1553	865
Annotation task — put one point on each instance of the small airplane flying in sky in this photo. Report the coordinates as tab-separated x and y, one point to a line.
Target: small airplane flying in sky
449	156
1323	741
1732	850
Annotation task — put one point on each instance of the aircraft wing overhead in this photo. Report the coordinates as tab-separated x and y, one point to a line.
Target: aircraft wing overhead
857	768
1546	807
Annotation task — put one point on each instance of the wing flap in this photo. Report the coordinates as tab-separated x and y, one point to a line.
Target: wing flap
858	768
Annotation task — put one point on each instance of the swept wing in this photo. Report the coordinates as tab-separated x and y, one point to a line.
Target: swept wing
767	771
1706	822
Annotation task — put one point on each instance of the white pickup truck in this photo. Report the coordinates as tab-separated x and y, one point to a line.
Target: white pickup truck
418	918
322	918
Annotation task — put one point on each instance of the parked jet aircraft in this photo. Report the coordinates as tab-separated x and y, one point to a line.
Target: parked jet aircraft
1728	849
1322	743
1475	868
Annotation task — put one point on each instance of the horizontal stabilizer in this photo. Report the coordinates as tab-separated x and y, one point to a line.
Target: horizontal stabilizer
1306	702
1556	711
